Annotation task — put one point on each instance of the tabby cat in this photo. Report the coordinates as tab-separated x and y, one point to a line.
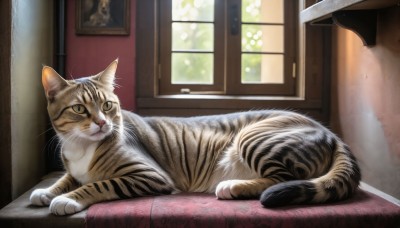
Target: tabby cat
280	157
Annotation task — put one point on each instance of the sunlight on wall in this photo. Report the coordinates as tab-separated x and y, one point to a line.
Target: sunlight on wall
365	104
31	47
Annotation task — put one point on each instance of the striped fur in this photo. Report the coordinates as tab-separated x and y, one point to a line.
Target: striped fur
280	157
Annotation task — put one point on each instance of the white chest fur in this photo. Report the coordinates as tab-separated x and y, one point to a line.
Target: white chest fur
79	157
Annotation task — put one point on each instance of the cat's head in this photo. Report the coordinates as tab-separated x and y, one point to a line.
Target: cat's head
85	108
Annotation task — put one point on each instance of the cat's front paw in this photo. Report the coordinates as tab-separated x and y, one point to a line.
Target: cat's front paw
227	189
62	205
41	197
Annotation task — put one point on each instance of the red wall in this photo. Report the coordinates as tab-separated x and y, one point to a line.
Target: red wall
88	55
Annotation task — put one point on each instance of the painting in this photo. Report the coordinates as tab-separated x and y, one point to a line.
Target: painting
102	17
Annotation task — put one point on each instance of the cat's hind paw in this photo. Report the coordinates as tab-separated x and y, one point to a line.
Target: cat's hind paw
62	205
227	189
41	197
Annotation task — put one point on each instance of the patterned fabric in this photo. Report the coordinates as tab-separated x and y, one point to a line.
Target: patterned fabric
204	210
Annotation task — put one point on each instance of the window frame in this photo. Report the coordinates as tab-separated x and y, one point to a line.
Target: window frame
165	45
288	88
227	61
312	93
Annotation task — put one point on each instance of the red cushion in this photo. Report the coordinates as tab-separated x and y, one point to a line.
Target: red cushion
204	210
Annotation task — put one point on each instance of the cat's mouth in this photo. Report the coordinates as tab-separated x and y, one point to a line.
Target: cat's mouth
98	133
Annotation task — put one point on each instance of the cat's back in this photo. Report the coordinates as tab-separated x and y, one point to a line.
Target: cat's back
225	123
187	133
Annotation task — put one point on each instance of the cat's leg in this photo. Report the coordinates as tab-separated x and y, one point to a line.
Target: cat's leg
250	154
247	182
43	196
237	189
117	188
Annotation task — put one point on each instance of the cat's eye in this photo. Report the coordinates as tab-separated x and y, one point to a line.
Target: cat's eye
78	108
107	106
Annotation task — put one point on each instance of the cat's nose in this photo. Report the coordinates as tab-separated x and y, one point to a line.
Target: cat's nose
100	123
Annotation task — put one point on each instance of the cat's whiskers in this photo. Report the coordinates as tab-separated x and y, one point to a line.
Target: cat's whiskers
128	132
46	131
51	151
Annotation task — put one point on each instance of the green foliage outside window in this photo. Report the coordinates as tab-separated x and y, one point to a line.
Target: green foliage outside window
196	41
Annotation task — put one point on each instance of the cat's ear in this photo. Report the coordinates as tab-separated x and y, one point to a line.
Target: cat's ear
107	77
52	82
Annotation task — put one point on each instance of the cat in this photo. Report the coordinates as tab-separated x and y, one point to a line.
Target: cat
280	157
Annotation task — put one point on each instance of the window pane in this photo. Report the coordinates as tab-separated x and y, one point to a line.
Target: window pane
192	10
262	38
262	68
192	68
192	36
264	11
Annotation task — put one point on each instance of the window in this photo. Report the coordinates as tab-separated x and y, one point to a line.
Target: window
227	47
223	84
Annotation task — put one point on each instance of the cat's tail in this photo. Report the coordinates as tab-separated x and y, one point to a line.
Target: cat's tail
339	183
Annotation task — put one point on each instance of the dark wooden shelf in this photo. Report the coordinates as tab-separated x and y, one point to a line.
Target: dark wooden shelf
359	16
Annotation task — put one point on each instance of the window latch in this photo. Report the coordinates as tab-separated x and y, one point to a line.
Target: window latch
294	70
234	19
185	91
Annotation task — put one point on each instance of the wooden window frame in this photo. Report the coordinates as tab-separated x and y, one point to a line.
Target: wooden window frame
166	87
312	93
227	61
288	88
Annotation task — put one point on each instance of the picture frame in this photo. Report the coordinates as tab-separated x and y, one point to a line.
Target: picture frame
102	17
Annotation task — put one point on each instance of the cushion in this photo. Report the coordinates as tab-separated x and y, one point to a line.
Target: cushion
204	210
